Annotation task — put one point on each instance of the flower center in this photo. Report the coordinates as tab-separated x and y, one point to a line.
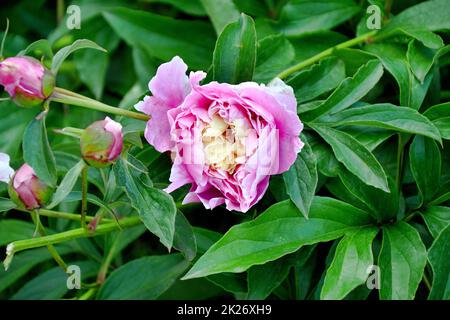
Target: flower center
224	144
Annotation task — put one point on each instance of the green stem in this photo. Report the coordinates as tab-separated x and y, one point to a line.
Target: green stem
68	97
350	43
60	10
64	215
427	281
59	260
88	294
26	244
107	262
84	191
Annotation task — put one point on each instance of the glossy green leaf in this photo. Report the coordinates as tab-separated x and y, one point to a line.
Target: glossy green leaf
354	156
425	163
276	232
351	261
439	258
318	79
156	208
6	204
193	7
13	230
37	152
385	116
62	54
420	58
306	16
349	91
262	280
420	19
235	52
67	184
221	13
301	179
437	218
132	282
440	116
184	238
41	47
393	57
52	284
402	261
164	37
275	53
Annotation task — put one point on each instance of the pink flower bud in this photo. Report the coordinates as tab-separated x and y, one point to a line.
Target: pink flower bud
27	190
26	80
101	143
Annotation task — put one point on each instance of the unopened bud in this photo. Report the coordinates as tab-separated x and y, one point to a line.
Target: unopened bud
26	80
27	190
102	143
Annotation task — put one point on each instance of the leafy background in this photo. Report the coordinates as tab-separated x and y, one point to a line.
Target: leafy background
372	185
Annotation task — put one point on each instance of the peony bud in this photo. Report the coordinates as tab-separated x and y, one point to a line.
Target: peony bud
27	190
101	143
26	80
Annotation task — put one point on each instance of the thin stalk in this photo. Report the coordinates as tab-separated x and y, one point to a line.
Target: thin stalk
88	294
26	244
40	228
347	44
64	215
107	262
67	97
84	191
60	11
427	281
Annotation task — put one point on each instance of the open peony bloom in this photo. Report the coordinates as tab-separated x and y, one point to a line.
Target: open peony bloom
102	143
226	140
6	171
26	80
27	190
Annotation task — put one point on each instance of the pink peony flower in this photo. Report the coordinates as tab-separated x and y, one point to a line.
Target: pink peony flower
102	143
27	190
226	140
26	80
6	171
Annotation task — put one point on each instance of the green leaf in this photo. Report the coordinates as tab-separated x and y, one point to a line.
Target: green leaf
354	156
76	196
184	238
42	47
156	208
37	152
144	279
67	184
402	261
92	65
24	262
275	53
52	284
13	230
351	90
235	53
393	57
192	7
425	163
349	267
440	116
262	280
6	205
163	37
301	179
383	206
385	116
439	258
221	13
421	19
300	17
436	218
420	58
318	79
62	54
276	232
